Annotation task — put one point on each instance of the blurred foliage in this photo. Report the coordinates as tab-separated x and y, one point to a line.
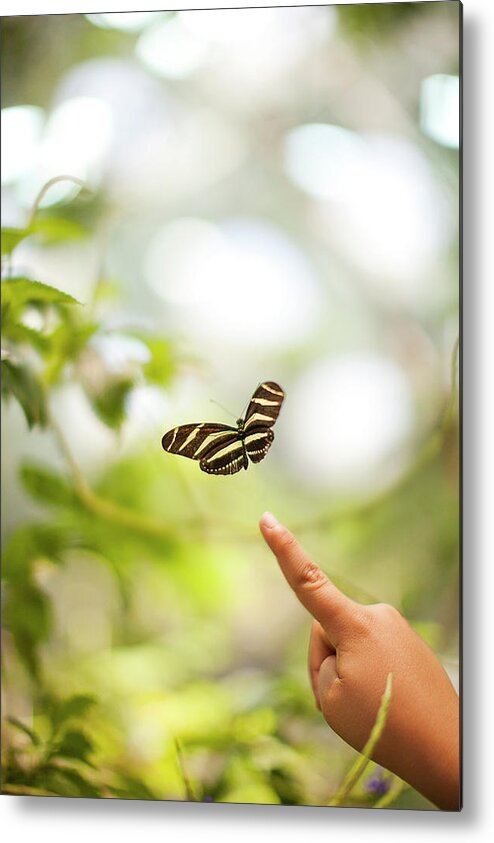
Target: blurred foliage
371	21
24	48
245	737
137	660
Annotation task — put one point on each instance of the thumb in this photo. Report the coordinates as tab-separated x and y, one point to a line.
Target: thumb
337	613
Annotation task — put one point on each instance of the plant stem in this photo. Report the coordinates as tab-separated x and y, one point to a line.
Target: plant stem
189	791
108	510
360	764
46	187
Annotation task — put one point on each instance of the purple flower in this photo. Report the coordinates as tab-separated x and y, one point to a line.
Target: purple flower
378	783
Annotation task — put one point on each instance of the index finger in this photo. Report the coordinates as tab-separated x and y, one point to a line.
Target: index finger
336	612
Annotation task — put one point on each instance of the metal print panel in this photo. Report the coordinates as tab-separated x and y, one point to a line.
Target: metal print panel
230	288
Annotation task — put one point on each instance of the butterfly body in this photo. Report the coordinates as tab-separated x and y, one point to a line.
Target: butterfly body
223	449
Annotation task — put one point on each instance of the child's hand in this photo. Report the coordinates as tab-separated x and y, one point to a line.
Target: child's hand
352	649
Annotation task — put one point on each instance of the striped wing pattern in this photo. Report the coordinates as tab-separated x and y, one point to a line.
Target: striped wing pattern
195	440
257	444
222	449
225	458
264	406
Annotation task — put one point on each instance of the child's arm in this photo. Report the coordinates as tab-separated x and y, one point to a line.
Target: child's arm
352	649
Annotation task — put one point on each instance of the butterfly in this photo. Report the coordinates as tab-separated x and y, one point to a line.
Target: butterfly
222	449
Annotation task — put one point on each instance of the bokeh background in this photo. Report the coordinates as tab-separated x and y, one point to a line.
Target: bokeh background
269	194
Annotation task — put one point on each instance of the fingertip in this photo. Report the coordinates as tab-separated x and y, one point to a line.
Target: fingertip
268	521
325	602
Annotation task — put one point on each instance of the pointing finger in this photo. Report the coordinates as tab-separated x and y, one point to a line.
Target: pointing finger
336	613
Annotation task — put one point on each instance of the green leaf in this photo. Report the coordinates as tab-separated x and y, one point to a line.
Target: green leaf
23	335
73	707
161	367
27	614
14	774
11	237
34	541
18	380
46	485
58	347
34	738
27	610
56	229
47	229
18	293
66	343
66	781
74	744
109	403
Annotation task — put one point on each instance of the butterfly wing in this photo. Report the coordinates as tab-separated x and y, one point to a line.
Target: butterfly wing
258	443
226	455
264	406
195	440
262	412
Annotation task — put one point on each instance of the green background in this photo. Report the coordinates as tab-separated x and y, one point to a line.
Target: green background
151	648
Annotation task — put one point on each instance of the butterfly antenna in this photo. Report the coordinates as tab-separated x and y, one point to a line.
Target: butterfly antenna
228	412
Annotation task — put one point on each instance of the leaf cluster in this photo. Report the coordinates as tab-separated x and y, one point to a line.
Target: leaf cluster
47	333
59	762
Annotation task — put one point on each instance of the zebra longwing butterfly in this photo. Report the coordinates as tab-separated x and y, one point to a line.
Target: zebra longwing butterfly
222	449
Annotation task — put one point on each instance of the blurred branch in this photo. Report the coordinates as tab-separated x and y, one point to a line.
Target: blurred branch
113	512
106	509
358	768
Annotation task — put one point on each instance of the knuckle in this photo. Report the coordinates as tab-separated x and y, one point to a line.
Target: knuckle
390	611
386	612
310	577
362	621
